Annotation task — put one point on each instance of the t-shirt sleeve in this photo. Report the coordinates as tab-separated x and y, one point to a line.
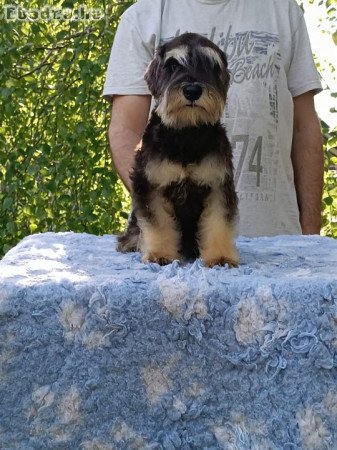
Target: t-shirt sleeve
302	74
128	62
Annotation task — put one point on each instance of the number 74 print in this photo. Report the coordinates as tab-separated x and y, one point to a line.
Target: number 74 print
255	158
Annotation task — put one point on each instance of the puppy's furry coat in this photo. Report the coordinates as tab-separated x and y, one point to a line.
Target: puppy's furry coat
184	200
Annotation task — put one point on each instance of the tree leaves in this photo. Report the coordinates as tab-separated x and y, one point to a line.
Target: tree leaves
55	166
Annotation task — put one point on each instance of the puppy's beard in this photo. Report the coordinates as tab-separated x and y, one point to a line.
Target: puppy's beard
177	112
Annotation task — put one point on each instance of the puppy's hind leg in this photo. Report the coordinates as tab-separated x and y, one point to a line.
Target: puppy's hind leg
129	240
160	236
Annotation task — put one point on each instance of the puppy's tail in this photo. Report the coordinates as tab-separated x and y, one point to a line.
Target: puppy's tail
129	240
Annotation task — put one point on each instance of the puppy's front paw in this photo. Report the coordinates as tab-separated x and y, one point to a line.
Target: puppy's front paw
158	258
222	261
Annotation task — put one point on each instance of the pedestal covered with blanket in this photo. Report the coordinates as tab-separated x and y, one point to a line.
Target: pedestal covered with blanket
101	351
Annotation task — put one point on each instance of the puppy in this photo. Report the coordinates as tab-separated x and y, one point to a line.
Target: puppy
184	199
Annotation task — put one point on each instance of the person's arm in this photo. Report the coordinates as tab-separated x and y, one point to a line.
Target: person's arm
128	120
308	162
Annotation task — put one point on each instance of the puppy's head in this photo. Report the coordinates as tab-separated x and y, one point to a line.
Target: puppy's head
189	79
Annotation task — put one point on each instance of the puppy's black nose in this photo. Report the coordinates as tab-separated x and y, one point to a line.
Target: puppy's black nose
192	92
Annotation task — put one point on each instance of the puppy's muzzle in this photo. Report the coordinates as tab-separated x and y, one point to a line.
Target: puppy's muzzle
192	91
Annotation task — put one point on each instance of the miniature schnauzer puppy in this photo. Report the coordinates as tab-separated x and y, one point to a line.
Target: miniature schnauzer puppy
184	199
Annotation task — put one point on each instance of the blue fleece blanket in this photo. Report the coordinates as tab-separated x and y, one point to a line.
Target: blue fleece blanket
100	351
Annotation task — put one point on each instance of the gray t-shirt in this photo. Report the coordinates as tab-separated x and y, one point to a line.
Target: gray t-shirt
270	60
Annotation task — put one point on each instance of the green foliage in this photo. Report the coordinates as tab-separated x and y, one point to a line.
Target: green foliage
330	178
55	165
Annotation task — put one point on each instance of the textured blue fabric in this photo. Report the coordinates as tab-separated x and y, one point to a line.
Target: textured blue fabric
100	351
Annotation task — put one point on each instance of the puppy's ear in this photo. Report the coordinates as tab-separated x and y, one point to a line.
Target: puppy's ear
152	72
226	77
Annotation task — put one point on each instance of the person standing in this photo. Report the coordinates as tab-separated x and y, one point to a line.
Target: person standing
270	115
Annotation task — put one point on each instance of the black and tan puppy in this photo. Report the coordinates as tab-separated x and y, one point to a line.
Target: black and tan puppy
184	200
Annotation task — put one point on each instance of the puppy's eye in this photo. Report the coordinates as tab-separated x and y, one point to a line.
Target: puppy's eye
172	65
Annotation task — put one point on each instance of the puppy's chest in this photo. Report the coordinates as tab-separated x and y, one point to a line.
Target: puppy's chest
209	172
